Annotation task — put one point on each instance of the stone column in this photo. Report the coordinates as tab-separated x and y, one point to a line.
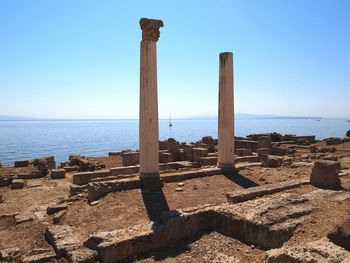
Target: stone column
149	138
226	113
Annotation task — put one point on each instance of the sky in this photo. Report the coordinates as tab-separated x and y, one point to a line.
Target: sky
81	59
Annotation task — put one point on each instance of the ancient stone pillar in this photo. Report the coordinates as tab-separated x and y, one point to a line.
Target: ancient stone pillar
226	113
149	138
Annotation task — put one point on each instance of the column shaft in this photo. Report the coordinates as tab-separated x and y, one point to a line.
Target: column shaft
149	138
226	112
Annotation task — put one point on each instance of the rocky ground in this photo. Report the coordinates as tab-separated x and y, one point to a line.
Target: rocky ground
26	213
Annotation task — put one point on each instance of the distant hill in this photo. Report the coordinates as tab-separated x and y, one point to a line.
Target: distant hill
15	118
238	116
242	116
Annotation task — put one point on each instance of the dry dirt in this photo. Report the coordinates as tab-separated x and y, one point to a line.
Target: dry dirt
127	208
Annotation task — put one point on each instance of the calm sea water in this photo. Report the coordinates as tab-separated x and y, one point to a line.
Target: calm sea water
30	139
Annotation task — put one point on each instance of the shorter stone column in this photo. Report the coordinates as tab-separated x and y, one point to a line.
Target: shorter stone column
226	113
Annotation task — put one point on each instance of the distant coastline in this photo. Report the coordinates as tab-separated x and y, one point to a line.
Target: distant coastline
238	116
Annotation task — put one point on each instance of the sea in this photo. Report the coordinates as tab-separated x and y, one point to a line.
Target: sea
22	140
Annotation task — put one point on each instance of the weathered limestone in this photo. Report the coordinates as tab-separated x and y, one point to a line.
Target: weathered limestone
149	137
340	234
198	153
17	184
316	251
130	158
66	244
271	160
333	141
58	173
166	157
259	191
22	163
226	113
260	222
325	175
54	209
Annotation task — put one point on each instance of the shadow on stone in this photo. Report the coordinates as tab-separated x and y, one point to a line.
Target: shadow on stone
172	251
155	203
236	178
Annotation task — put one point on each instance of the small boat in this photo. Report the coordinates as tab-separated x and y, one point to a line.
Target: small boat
170	124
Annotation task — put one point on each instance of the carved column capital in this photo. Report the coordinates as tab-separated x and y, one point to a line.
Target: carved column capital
150	28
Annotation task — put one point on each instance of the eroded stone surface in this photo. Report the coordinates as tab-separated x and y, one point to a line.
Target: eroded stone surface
340	234
253	192
62	239
325	175
267	222
150	28
317	251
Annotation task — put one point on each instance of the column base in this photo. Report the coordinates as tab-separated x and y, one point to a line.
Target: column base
151	180
227	167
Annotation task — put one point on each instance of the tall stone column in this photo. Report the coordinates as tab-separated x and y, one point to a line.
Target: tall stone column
149	137
226	113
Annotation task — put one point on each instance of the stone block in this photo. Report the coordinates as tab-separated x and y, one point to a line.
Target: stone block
58	173
326	149
62	239
188	153
71	168
340	234
10	255
198	153
54	209
22	163
81	254
279	151
113	153
209	141
59	216
271	161
17	184
209	161
306	138
313	149
247	144
330	158
38	258
243	152
99	189
325	175
77	189
166	157
21	218
263	151
264	142
259	191
316	251
124	170
5	180
86	177
31	175
333	141
51	164
130	158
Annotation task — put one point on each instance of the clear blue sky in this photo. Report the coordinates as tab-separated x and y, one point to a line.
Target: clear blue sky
80	59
